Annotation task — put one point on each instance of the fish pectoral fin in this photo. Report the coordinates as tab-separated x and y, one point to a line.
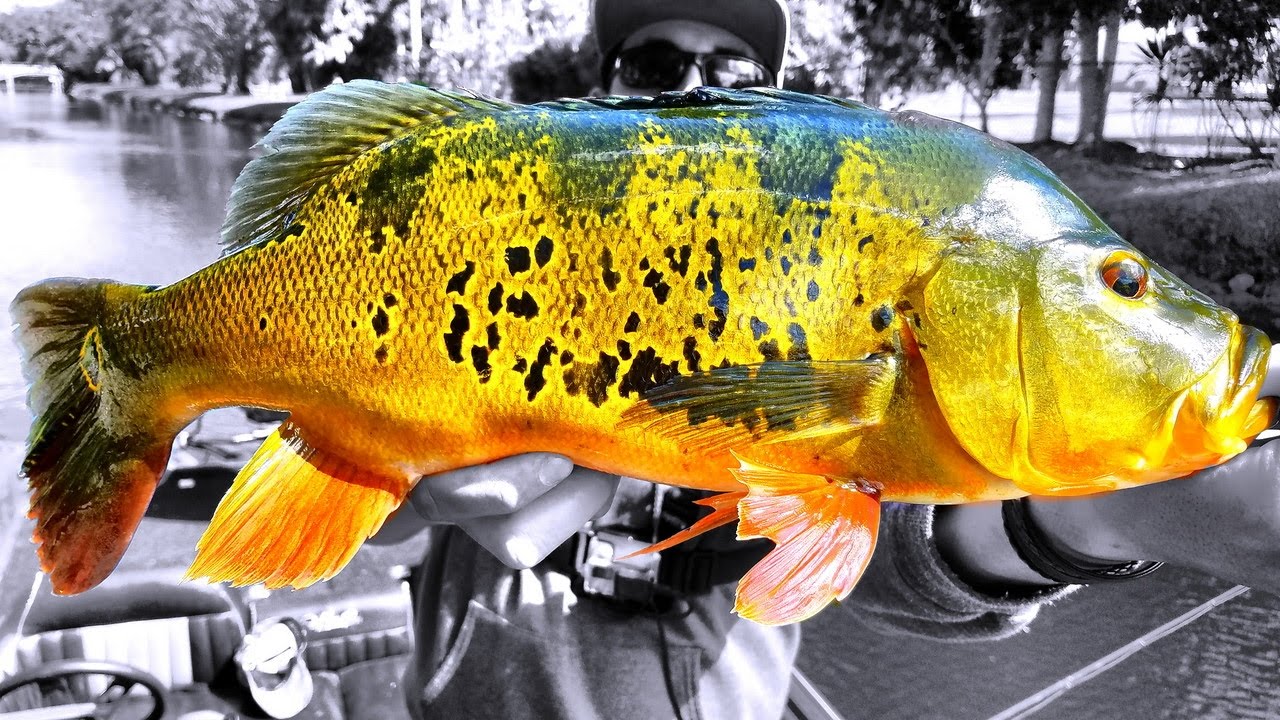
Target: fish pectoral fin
768	402
295	514
825	531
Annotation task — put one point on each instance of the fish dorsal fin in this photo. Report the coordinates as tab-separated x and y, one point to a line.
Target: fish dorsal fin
824	530
703	97
294	515
769	402
323	134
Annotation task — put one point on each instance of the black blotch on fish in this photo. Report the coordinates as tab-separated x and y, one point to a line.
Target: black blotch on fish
624	349
759	328
573	262
381	353
716	327
471	175
522	307
262	323
517	259
369	306
354	322
520	365
391	202
457	329
661	289
799	350
352	198
864	242
644	263
691	354
647	371
593	378
786	237
382	323
389	301
534	382
607	273
480	361
768	254
521	200
815	258
491	335
678	260
566	357
542	251
813	290
699	321
719	298
294	230
857	301
700	282
881	318
579	305
745	264
786	265
769	351
377	242
458	283
495	299
633	323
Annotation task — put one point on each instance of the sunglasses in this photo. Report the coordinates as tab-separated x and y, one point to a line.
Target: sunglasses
662	66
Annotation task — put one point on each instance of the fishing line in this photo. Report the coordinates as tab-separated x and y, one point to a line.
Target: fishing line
1038	701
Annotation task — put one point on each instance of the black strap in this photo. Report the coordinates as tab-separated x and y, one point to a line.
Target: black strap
1057	563
685	572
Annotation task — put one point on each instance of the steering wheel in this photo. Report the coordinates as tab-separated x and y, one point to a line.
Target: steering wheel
122	679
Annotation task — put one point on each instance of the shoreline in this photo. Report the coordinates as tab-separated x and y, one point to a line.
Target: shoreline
206	103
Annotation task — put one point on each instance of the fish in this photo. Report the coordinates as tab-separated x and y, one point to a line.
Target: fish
803	305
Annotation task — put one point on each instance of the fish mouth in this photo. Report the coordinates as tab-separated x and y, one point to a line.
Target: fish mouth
1219	415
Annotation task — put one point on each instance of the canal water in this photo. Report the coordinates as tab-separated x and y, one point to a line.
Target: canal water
95	191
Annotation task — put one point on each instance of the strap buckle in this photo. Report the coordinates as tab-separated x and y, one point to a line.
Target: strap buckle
603	571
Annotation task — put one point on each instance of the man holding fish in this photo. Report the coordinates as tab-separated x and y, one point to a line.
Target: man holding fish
800	304
945	572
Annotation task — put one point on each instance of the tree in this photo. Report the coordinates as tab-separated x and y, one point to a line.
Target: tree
139	34
1092	18
226	34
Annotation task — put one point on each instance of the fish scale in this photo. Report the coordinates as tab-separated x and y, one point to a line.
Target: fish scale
803	304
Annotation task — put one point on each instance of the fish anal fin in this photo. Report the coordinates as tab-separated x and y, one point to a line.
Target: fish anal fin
724	510
295	514
824	530
769	402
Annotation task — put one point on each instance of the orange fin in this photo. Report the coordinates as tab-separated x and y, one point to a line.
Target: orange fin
724	510
825	531
295	515
90	467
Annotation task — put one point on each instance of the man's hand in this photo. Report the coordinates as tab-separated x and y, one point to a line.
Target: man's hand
519	508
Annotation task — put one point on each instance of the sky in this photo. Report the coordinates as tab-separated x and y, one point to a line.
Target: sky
7	5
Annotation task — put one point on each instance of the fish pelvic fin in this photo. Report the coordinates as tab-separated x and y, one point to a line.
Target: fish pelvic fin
824	529
295	514
91	469
319	137
724	510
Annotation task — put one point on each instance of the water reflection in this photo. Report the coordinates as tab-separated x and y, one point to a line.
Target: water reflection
96	191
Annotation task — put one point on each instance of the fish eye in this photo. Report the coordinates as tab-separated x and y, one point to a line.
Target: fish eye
1125	276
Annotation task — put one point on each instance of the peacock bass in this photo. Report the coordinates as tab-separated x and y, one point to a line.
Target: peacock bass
807	305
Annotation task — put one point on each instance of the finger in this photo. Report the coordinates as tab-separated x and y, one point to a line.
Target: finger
524	538
497	488
1271	384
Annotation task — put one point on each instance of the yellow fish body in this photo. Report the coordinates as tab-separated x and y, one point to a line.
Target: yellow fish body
805	304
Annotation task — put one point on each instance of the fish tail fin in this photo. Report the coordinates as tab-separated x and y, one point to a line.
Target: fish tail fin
91	471
295	514
824	530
